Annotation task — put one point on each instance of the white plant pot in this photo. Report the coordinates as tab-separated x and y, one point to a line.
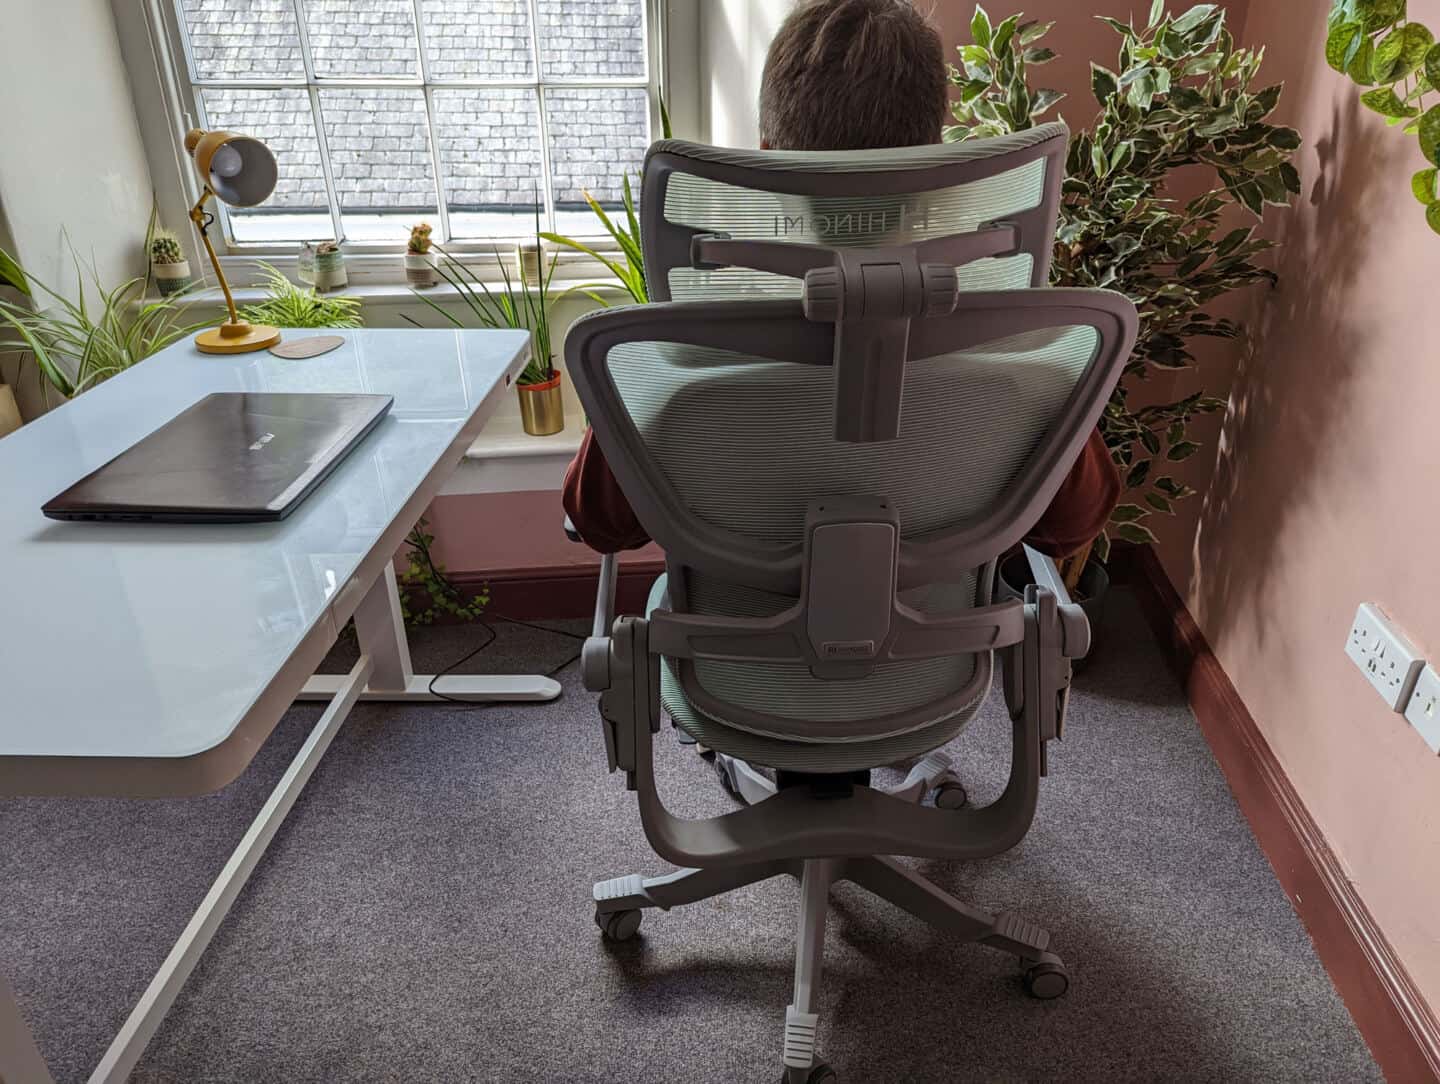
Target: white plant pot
420	269
323	271
171	278
9	411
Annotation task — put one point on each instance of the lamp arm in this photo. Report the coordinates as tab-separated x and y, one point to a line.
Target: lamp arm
198	216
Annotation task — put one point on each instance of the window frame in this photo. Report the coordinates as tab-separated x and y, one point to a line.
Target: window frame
185	87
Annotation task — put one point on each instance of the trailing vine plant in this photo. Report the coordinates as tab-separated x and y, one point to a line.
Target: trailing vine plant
424	576
1180	96
1377	46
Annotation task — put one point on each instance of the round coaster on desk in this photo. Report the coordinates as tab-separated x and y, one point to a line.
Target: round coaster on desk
313	347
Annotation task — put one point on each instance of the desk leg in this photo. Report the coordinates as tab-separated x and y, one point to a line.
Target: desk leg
20	1060
380	626
155	1002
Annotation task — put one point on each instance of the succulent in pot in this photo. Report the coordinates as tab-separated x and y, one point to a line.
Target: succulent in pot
168	265
419	259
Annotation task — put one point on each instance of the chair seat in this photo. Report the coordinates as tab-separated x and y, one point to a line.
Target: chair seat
796	756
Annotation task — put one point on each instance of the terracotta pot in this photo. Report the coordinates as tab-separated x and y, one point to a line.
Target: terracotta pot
542	407
420	269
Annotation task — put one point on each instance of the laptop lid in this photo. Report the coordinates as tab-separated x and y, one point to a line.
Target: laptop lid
233	456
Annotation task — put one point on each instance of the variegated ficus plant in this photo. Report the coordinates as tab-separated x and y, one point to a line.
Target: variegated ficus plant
1180	96
1374	43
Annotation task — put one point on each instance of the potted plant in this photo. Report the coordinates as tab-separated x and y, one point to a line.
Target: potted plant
510	303
1182	97
322	266
288	305
419	260
78	343
168	265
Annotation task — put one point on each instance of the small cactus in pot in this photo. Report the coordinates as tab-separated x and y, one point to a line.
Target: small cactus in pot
419	260
168	265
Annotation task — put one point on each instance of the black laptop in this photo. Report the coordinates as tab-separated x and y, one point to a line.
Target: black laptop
233	457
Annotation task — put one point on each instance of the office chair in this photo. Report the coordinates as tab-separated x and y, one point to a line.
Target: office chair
699	195
832	476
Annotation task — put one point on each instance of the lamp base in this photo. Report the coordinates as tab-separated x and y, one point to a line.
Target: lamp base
237	338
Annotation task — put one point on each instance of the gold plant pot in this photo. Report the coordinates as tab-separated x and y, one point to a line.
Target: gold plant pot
9	412
542	407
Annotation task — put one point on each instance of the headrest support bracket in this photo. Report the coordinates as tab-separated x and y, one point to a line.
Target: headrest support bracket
870	295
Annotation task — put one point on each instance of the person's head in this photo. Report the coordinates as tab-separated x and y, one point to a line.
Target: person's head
853	74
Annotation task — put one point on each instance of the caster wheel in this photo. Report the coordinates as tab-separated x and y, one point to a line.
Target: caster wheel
1046	981
950	796
725	780
619	925
819	1074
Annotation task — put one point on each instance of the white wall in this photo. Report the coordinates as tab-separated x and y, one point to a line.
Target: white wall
734	38
73	160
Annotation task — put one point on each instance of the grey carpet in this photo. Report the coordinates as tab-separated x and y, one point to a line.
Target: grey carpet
424	915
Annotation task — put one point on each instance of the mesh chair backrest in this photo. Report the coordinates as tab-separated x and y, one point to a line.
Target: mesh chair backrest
716	420
848	199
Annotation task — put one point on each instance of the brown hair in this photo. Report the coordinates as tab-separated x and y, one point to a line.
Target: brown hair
850	74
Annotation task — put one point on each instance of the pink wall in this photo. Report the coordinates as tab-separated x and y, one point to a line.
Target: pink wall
1324	492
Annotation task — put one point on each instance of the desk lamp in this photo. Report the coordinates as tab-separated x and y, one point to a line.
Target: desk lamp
238	170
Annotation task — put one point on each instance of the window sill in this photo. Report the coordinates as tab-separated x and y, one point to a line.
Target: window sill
396	293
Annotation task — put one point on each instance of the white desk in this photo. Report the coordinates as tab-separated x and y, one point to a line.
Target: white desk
155	659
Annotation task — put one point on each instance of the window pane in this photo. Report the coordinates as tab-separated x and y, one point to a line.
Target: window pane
298	209
477	39
597	136
490	157
354	39
244	39
380	158
594	39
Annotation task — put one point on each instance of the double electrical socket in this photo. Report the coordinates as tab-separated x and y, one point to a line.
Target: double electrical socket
1393	665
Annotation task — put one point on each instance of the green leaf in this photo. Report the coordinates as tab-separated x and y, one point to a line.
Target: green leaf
1138	474
1044	99
1432	216
1159	503
1137	533
1286	139
1183	449
1128	513
1359	67
1038	56
980	29
1157	9
1401	52
1423	185
1339	43
1104	82
1429	131
1384	101
1432	65
11	273
1194	17
1378	14
1025	33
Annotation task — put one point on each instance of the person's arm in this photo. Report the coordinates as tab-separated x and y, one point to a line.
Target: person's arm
595	504
1082	505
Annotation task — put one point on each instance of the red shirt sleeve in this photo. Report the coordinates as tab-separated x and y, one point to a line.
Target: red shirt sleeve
596	506
1082	505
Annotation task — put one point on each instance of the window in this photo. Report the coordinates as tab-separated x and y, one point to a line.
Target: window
474	115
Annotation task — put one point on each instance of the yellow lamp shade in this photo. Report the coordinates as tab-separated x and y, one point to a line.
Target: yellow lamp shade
239	169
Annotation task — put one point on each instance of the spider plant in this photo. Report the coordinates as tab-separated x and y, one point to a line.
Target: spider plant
626	235
507	304
290	305
77	343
